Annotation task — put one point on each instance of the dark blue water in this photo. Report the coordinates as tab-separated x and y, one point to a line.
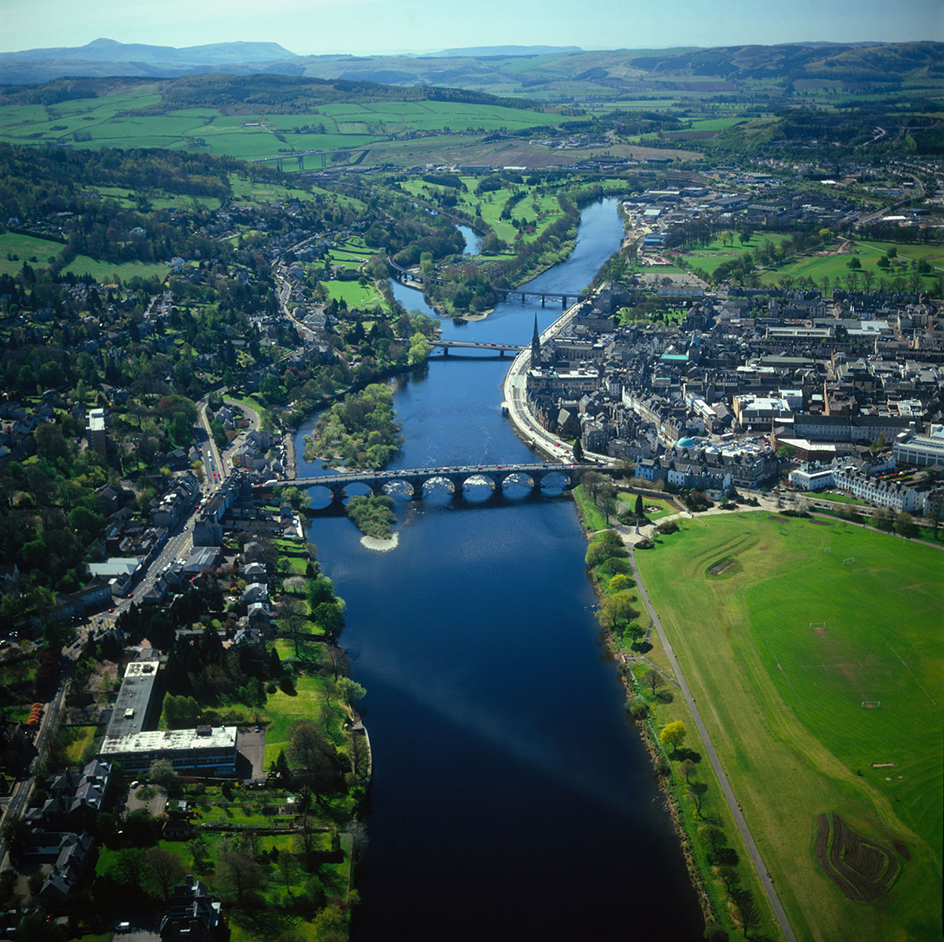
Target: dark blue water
511	797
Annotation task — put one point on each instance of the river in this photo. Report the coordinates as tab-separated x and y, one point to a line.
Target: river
511	797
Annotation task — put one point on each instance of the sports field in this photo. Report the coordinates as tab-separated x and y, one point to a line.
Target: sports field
814	653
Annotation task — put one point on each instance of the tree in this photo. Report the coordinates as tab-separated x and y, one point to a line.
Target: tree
673	735
162	773
747	911
882	519
241	878
607	499
289	870
311	751
578	450
280	768
620	583
349	690
617	612
592	481
934	515
639	509
688	769
164	870
713	837
653	680
905	525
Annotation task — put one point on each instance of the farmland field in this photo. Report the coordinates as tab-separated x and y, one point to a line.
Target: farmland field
818	672
115	121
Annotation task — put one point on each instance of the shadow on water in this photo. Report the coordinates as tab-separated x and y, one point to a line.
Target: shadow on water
512	798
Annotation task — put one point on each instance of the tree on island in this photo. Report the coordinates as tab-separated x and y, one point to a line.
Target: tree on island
673	735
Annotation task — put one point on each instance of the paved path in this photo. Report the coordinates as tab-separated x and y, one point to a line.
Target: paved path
715	761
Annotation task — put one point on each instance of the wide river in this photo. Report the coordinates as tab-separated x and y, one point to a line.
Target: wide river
511	798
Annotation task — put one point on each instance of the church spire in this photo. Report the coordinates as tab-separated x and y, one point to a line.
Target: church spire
535	345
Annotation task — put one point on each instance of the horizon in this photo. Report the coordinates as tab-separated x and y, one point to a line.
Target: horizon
421	27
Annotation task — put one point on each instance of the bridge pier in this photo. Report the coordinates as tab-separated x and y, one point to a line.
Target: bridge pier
543	299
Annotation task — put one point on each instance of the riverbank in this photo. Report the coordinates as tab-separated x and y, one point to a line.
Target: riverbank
644	723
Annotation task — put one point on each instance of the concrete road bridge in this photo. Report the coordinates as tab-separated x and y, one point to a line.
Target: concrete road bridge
500	348
419	479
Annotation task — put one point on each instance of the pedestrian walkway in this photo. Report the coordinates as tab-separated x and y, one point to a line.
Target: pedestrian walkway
733	803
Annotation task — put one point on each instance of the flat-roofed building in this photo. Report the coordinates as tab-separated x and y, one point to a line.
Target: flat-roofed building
921	450
209	750
133	706
96	431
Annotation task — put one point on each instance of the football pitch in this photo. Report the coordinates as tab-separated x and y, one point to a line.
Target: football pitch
814	652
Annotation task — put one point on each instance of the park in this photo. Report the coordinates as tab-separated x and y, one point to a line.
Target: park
816	665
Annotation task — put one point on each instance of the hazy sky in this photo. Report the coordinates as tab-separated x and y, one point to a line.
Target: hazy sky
362	26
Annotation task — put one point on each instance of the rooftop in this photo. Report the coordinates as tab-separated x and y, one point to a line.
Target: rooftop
170	740
134	699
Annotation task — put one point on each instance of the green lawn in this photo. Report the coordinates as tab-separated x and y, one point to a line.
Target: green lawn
40	253
283	710
780	654
354	294
80	738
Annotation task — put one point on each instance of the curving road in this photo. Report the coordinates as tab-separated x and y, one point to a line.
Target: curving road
752	850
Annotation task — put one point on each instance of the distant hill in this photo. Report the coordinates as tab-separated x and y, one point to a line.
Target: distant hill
106	57
552	74
850	63
474	52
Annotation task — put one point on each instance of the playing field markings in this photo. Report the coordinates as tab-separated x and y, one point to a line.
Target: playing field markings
827	551
910	671
871	704
849	560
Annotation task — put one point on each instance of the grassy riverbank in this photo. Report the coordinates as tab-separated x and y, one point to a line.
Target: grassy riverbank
784	650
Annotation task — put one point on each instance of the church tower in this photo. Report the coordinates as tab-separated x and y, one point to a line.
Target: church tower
535	346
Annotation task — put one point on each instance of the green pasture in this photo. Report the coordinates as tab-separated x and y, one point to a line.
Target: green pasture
115	121
710	256
836	266
354	294
933	253
715	124
26	248
45	251
781	651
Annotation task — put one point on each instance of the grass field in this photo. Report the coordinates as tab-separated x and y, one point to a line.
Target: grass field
836	266
106	122
15	249
794	643
709	257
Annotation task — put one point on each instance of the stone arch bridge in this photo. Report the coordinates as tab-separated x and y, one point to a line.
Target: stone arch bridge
417	479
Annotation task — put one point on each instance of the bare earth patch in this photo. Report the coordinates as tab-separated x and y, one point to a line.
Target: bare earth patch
862	868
